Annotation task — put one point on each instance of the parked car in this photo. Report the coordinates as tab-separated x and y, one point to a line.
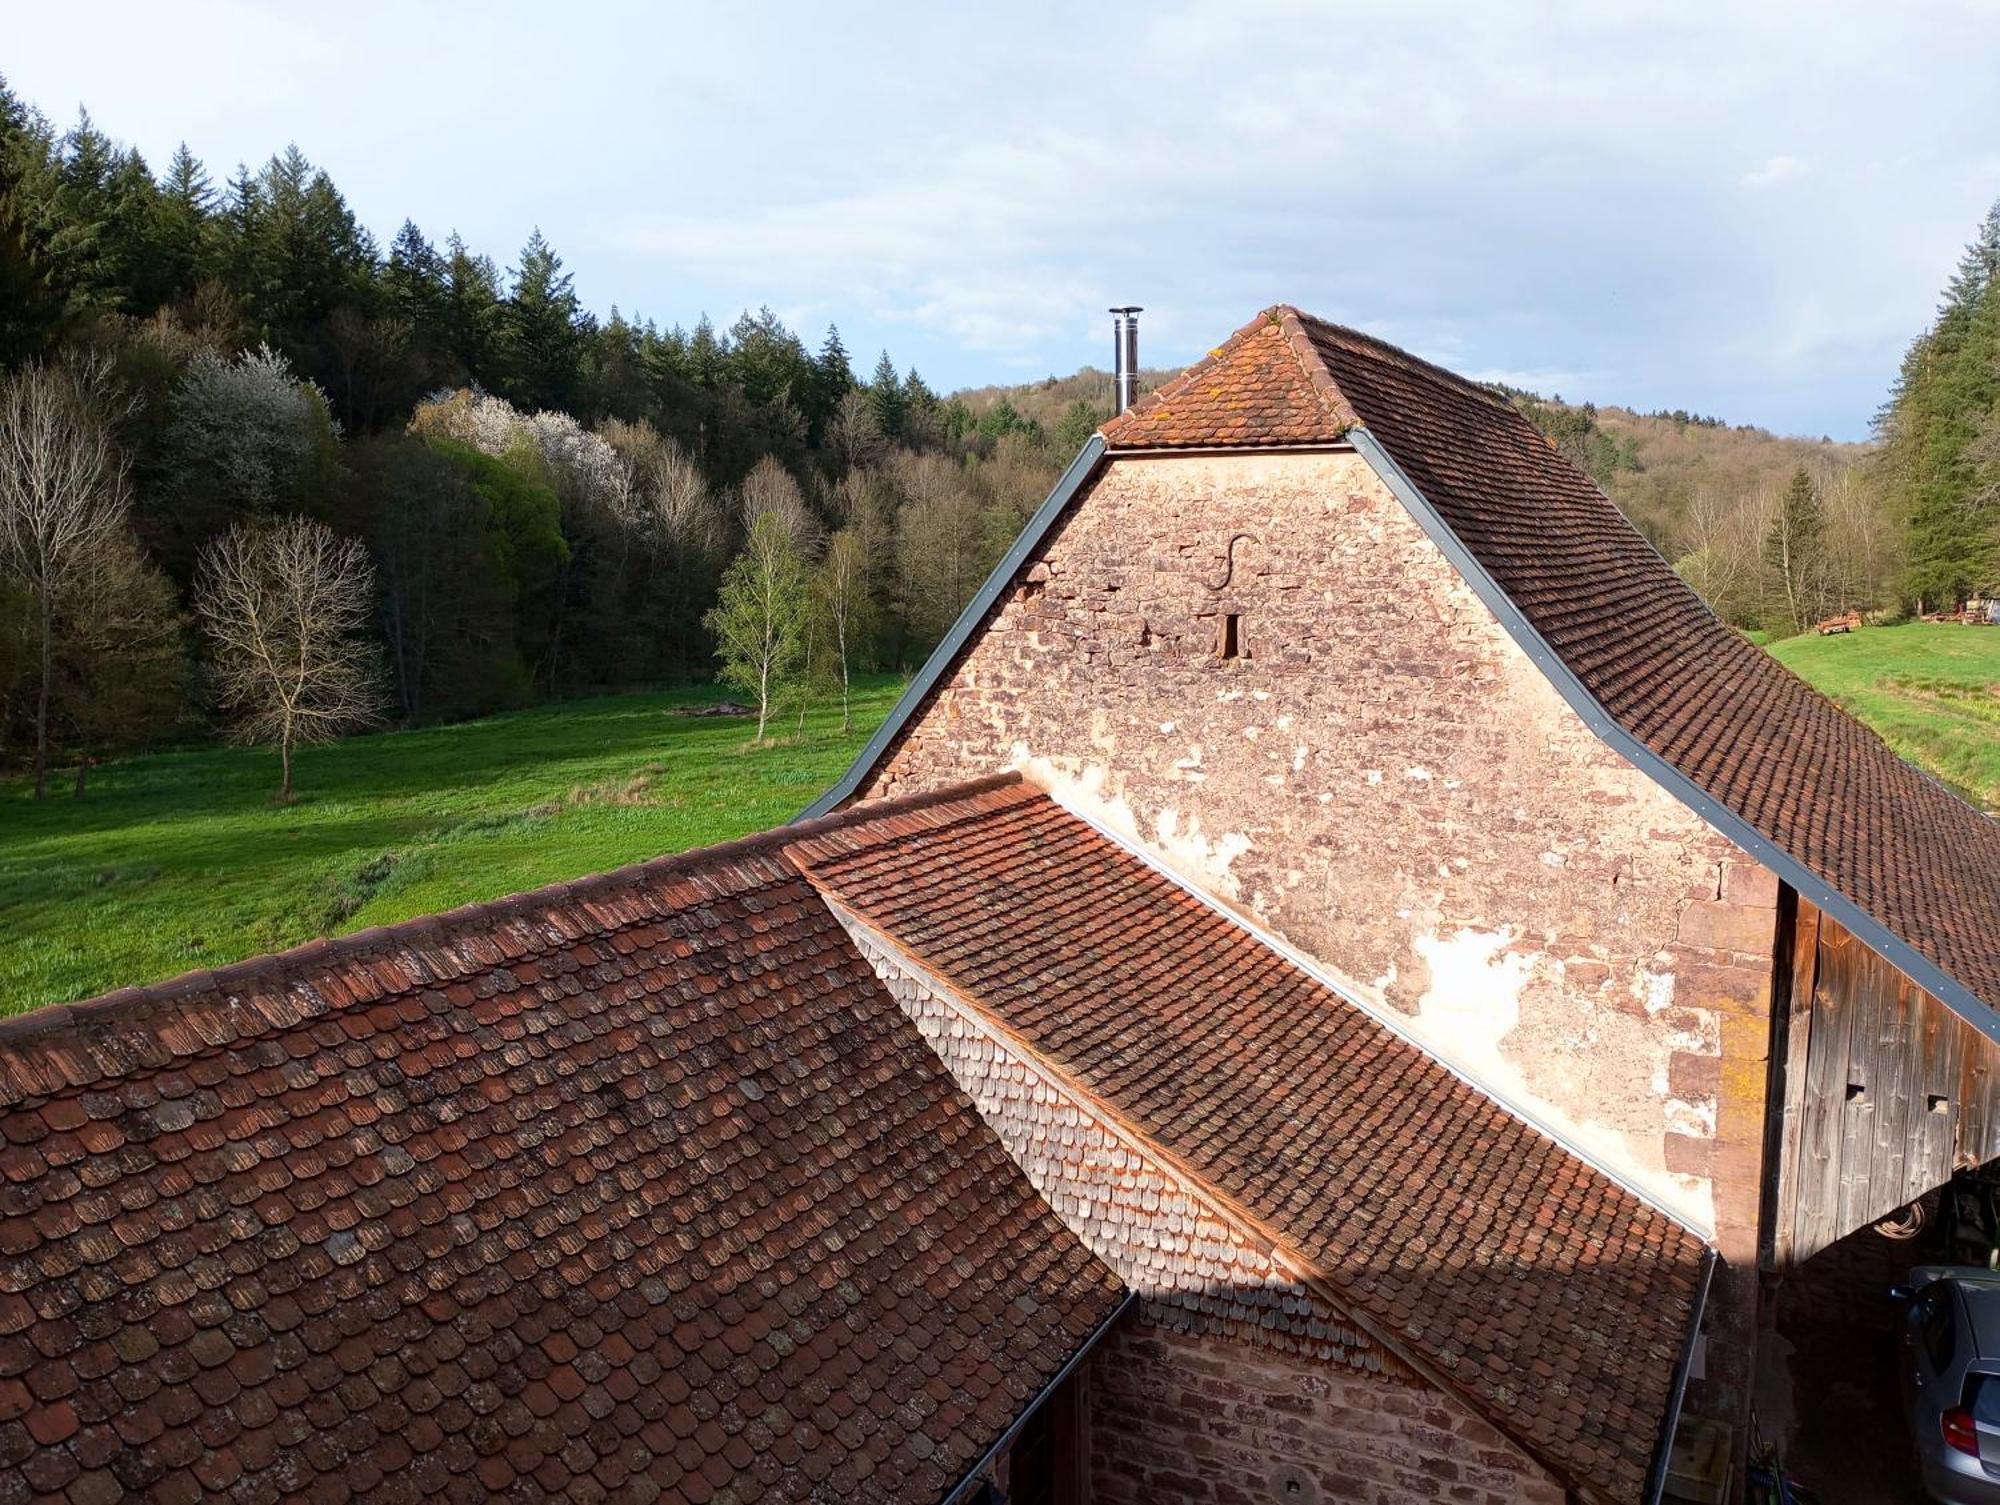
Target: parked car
1951	1380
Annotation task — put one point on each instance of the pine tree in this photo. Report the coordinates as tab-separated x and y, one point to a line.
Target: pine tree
1948	386
887	397
1794	551
187	201
473	315
1074	428
831	379
545	330
30	310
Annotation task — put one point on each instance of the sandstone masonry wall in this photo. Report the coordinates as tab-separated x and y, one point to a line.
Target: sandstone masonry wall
1382	777
1183	1417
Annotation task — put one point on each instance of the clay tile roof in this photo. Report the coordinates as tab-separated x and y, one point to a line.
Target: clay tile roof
639	1187
1262	387
1802	774
1552	1299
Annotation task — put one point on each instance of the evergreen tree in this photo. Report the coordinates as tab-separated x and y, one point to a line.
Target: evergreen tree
831	380
887	397
544	329
1074	428
474	316
1948	388
187	201
1794	550
30	309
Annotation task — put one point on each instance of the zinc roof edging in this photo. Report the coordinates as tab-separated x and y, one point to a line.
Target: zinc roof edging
960	1490
1387	1019
1663	1445
1920	969
1122	1124
1071	482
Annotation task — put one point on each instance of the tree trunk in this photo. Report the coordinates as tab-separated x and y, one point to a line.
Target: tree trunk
846	713
42	696
82	774
285	757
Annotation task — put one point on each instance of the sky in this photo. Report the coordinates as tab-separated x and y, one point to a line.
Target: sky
1746	210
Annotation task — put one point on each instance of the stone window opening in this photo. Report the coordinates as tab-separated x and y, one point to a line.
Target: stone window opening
1229	637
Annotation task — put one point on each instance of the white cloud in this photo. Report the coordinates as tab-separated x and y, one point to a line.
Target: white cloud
1776	170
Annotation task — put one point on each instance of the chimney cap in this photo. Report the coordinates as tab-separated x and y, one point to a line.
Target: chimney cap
1129	308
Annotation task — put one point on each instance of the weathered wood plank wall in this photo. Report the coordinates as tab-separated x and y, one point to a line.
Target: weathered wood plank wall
1890	1094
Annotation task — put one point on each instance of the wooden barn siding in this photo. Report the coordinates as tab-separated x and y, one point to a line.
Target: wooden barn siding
1896	1092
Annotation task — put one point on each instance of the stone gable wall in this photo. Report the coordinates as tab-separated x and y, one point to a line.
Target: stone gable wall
1384	779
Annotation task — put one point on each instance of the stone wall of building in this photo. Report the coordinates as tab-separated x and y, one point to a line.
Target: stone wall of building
1236	1379
1197	1420
1260	669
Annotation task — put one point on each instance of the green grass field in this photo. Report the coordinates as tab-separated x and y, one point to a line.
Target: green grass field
1931	689
180	860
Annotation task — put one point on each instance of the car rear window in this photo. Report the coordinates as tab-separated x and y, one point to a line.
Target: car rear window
1982	1398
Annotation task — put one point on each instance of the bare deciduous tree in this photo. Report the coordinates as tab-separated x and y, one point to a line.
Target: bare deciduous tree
770	490
284	604
845	607
62	497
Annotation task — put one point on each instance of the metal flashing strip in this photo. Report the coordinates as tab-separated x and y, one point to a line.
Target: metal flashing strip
1920	969
1343	990
939	663
1663	1448
965	1485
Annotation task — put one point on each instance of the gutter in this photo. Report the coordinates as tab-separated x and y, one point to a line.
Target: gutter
1081	469
1919	968
966	1485
1656	1476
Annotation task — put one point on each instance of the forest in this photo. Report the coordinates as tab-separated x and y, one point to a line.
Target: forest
1778	534
262	476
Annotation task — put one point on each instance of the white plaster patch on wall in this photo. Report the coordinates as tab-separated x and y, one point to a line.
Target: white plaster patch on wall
1475	994
1694	1117
1464	1017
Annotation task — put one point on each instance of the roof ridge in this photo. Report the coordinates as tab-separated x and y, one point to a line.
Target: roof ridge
1409	359
1332	402
1298	338
33	1041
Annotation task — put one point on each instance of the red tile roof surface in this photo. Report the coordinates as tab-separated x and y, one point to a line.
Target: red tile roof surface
1550	1297
641	1186
1261	387
1810	778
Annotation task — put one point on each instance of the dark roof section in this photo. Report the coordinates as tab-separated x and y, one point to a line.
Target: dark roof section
1895	856
1476	1247
639	1185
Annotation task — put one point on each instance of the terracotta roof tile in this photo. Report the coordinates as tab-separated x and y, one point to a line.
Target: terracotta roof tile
1261	387
1813	780
643	1185
1552	1298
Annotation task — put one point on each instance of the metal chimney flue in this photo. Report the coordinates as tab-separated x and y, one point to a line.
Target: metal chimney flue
1125	356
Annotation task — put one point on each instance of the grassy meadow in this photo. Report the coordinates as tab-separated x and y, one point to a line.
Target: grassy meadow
1932	689
181	860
